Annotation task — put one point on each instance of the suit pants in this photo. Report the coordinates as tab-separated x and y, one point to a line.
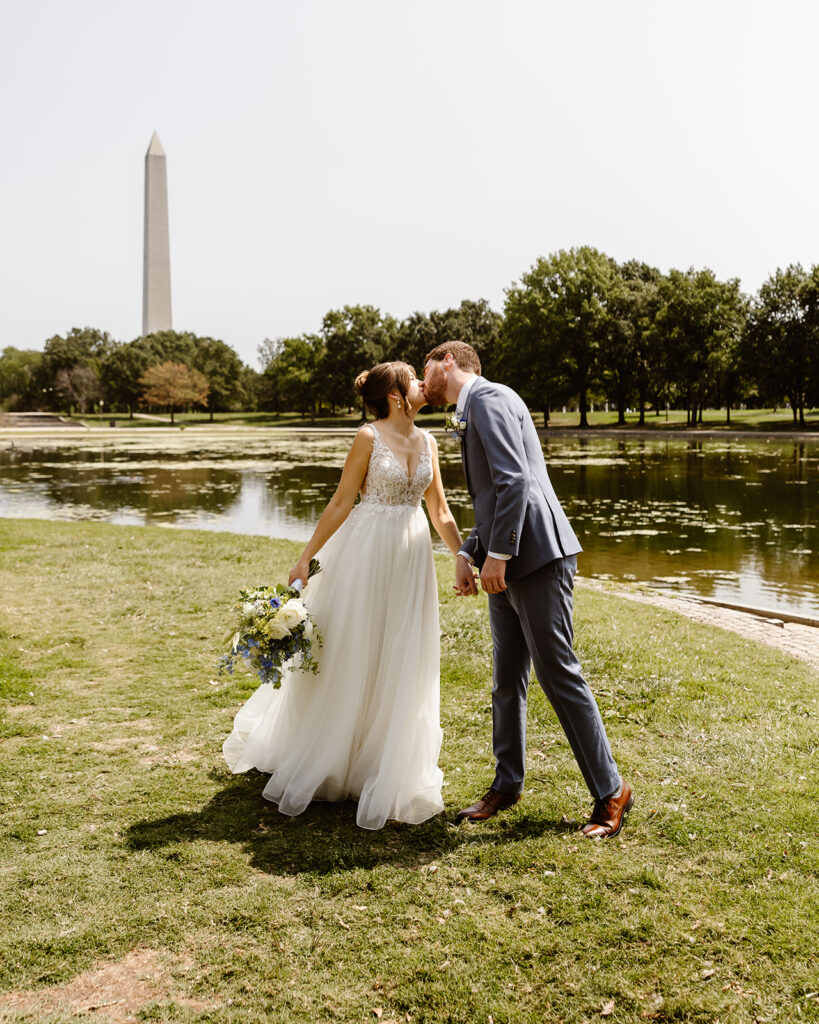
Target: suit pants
531	623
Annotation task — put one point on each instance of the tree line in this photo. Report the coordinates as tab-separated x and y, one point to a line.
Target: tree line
577	328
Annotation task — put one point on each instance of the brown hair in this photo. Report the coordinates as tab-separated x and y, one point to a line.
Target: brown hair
374	385
464	355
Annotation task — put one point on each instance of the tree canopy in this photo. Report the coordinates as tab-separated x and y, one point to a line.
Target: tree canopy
173	385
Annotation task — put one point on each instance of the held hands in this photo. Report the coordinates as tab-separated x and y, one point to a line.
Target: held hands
493	576
464	577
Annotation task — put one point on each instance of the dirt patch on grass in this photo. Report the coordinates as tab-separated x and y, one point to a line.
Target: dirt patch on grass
112	992
169	759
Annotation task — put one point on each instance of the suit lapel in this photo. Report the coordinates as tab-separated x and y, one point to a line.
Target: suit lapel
465	414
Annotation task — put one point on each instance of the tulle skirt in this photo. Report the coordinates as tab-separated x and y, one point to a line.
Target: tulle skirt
367	726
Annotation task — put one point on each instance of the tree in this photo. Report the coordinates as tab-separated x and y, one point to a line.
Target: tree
81	346
526	357
781	341
291	378
78	385
355	338
555	319
474	322
173	385
416	336
222	368
625	351
725	361
168	347
697	315
19	373
250	384
810	301
120	375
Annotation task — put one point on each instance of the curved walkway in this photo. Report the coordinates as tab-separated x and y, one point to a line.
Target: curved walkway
792	637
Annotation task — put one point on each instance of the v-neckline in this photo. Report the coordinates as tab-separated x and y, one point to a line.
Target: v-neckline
410	479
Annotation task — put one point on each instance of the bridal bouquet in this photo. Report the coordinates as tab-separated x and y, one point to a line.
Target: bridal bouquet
274	629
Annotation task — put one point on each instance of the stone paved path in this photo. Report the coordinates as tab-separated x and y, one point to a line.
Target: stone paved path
791	637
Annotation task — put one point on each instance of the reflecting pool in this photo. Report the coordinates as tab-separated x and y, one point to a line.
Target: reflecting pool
731	519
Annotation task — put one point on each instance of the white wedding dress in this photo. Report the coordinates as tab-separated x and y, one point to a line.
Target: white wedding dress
367	726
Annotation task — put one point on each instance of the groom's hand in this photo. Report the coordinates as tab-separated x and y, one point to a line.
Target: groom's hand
493	575
464	577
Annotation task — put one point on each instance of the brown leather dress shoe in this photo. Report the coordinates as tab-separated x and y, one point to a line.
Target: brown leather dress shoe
489	804
608	815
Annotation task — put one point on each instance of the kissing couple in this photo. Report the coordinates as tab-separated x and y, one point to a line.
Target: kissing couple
367	726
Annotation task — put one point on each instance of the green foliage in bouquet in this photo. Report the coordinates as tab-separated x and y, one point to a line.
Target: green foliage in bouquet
274	630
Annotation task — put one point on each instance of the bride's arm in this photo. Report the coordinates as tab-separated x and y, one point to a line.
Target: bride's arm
341	503
442	518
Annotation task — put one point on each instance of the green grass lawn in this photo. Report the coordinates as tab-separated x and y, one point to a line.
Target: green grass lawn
121	828
713	419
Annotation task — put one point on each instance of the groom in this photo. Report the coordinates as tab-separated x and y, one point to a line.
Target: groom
527	555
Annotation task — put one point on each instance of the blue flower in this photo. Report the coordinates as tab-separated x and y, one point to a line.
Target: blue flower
455	426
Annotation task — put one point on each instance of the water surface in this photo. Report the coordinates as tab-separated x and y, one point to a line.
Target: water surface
732	519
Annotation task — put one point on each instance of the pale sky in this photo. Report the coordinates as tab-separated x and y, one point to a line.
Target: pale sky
403	154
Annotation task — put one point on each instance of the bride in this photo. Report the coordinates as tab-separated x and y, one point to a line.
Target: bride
367	725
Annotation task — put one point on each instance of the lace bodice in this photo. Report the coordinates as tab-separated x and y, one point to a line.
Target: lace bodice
387	483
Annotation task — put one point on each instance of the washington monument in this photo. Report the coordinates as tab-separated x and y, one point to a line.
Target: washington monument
156	268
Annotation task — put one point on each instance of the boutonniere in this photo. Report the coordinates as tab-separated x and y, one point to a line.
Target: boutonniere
455	425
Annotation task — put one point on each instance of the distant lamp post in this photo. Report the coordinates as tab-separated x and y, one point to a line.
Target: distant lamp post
101	405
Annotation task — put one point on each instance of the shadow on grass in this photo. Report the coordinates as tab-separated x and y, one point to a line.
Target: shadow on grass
325	838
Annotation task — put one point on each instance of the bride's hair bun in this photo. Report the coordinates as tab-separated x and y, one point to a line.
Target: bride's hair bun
375	385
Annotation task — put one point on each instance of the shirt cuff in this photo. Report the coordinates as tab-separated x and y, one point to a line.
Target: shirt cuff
502	558
469	558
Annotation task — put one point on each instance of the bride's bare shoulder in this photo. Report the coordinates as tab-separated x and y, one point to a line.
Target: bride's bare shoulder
364	437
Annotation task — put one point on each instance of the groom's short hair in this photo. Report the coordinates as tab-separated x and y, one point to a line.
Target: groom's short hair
464	355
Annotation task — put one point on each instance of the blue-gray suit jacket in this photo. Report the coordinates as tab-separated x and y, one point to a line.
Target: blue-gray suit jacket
516	508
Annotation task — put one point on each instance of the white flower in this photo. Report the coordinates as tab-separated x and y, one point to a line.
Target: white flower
292	613
454	426
248	609
308	629
278	629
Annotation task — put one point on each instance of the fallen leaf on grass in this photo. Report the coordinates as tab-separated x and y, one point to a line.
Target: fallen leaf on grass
709	973
378	1012
608	1009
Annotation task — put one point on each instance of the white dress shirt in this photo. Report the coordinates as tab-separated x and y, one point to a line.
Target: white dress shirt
459	408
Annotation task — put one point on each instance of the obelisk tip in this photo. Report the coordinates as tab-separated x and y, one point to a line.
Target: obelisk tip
155	148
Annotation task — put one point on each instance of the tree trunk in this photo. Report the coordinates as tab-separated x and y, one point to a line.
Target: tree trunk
641	401
621	413
211	414
547	414
584	420
727	414
171	415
